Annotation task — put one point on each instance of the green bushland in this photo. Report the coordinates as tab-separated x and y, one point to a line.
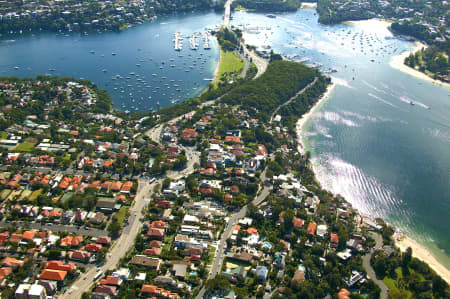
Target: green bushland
281	81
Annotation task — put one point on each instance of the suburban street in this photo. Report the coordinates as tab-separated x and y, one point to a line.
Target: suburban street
120	247
232	221
368	267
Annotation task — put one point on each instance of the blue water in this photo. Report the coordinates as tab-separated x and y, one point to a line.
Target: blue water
163	75
387	157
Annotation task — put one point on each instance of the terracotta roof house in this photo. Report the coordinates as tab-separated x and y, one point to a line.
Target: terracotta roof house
234	189
155	244
287	245
299	276
4	272
79	255
116	186
344	294
106	186
233	139
153	251
111	280
93	247
106	289
208	171
297	222
11	262
104	240
188	134
15	238
334	240
56	275
155	292
155	233
126	188
28	235
164	204
160	224
59	265
252	231
73	241
145	261
311	228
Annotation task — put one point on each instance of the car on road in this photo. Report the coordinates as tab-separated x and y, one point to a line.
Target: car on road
84	278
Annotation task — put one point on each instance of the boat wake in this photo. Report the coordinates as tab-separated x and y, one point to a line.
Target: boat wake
382	100
335	118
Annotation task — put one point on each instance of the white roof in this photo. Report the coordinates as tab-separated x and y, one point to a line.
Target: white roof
35	290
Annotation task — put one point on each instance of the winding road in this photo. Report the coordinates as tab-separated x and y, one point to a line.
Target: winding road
370	271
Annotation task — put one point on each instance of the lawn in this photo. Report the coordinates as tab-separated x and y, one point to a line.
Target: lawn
120	216
4	194
25	194
212	252
13	195
230	62
3	135
25	147
35	195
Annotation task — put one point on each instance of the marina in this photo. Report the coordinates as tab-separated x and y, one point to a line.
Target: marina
147	76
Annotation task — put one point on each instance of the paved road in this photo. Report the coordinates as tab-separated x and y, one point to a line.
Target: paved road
261	63
220	250
93	232
227	13
293	98
368	267
120	247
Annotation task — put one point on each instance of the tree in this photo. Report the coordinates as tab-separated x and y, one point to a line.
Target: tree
114	229
406	257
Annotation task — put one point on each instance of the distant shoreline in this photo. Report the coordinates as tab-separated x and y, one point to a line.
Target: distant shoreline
398	63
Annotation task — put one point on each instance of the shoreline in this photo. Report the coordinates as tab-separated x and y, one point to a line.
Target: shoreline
305	117
401	241
420	252
216	71
397	62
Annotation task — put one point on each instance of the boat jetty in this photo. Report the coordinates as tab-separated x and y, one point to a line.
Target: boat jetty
193	41
206	41
178	41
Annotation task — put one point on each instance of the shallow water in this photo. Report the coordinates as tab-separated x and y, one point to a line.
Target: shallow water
388	157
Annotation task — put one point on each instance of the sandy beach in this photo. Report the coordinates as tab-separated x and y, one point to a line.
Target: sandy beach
301	122
306	5
423	254
397	62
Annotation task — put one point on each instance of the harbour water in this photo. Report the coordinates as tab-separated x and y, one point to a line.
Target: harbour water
138	67
382	139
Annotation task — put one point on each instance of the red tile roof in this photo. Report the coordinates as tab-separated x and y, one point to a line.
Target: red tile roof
311	228
59	265
50	274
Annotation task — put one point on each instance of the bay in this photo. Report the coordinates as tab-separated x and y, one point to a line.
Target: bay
382	139
138	67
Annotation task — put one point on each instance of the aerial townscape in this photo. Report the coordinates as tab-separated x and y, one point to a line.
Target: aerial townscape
216	192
